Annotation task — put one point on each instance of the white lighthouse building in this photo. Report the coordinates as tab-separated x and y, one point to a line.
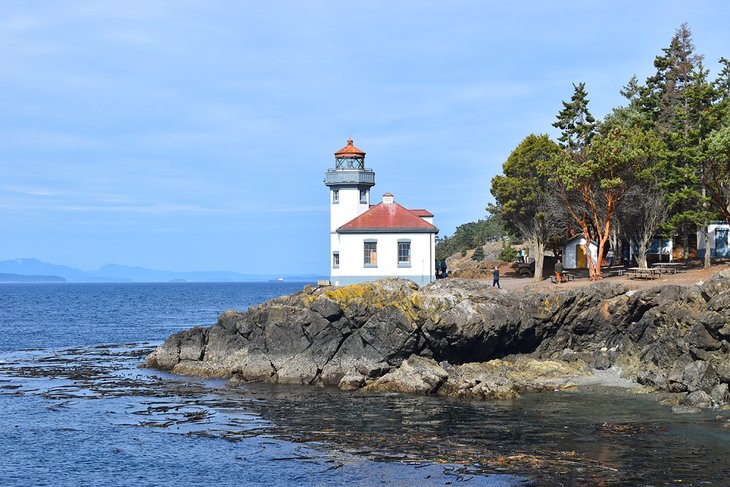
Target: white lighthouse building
372	241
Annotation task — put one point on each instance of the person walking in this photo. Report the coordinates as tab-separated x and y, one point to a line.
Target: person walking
609	256
558	271
495	277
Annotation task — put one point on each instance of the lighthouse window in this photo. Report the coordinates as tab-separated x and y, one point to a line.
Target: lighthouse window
404	253
335	260
363	196
371	253
335	196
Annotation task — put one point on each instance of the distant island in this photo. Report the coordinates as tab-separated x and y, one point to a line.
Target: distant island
10	278
34	270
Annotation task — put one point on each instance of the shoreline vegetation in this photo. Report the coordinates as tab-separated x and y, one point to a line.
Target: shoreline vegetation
657	166
461	338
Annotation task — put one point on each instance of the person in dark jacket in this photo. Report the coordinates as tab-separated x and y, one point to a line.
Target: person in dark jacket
495	276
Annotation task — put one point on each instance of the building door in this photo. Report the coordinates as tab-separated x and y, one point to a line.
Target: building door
721	249
580	257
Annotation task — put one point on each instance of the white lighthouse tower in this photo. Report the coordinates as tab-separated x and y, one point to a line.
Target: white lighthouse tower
349	183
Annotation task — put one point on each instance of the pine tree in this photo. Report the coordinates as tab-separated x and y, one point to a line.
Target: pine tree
677	99
576	123
572	169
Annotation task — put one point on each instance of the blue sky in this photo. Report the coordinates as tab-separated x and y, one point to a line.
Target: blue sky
194	135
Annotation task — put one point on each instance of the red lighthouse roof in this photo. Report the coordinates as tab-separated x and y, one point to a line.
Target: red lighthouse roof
349	151
388	218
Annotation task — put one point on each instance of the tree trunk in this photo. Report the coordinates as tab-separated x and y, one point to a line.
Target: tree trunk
685	245
641	258
708	255
538	253
587	247
601	246
539	259
589	259
614	241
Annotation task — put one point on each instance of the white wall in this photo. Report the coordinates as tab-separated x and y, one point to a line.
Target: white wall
569	254
711	233
349	206
352	267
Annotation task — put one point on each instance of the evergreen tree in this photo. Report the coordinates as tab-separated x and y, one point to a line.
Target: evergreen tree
576	123
677	98
717	147
523	195
571	170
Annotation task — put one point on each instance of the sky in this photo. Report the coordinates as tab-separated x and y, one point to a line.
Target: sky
194	135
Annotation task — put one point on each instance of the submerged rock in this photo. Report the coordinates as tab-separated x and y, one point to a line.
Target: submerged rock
462	338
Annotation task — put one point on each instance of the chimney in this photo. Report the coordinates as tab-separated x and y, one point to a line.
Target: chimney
388	199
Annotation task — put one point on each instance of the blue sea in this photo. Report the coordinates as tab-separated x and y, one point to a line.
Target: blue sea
76	409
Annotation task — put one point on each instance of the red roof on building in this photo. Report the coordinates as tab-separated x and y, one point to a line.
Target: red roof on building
391	218
422	213
349	151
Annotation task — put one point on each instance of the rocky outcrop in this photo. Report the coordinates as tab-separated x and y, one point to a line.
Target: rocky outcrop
461	338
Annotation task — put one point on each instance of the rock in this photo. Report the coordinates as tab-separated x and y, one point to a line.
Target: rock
720	394
186	345
652	378
416	375
699	375
391	334
684	409
698	399
723	371
351	382
193	345
326	307
724	332
701	338
501	379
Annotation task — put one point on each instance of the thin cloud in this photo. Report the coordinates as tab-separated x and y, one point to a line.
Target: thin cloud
154	209
30	191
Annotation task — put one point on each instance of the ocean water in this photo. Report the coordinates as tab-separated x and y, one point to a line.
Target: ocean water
76	409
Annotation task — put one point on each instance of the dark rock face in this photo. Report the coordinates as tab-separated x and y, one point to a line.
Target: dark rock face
392	335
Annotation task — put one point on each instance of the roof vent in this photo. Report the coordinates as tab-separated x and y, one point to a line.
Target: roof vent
388	199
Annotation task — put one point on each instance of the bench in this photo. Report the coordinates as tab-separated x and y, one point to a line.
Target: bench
637	273
613	271
668	267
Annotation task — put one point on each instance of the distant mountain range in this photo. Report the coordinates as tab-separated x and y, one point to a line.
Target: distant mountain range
34	270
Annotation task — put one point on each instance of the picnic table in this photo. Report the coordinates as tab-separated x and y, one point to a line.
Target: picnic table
643	273
668	267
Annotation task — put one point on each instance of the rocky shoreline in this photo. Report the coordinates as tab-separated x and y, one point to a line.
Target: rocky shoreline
461	338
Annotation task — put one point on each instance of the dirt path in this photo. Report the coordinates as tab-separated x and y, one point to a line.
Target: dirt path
686	277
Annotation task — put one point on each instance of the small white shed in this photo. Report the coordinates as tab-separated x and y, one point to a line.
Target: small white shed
718	233
574	253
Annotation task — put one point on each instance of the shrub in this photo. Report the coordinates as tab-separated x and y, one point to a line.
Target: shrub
478	254
508	253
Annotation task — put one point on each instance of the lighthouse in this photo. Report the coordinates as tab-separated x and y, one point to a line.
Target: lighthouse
349	183
373	241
